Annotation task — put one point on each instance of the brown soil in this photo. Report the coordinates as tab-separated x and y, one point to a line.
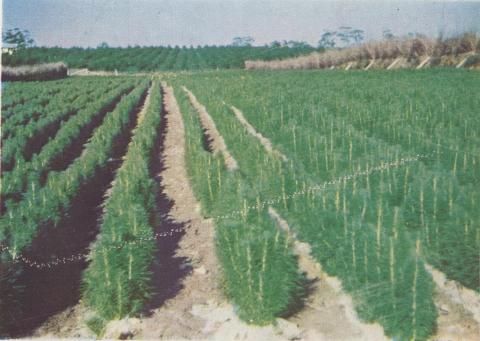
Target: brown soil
263	140
217	142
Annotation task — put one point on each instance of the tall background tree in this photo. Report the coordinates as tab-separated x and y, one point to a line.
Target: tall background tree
327	40
20	38
345	35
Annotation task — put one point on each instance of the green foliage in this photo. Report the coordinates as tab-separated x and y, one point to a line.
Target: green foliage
116	283
30	119
373	232
20	38
259	269
97	325
410	197
26	174
47	204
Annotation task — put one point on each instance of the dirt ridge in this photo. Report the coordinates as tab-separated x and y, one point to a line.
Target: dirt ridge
330	313
217	141
251	129
458	307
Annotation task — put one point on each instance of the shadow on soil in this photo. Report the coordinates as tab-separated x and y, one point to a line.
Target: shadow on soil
306	287
168	269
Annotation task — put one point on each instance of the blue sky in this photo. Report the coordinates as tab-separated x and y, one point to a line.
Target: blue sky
199	22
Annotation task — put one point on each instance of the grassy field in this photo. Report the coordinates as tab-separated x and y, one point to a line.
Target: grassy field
378	172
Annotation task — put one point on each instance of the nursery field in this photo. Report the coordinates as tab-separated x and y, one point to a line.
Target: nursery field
376	173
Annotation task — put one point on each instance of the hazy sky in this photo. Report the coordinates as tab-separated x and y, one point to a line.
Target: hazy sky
199	22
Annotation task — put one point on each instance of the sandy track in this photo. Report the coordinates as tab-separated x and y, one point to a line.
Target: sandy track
218	143
329	313
458	309
263	140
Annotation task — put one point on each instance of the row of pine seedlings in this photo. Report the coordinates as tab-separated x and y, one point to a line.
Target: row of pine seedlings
29	172
116	283
36	117
260	271
354	228
47	204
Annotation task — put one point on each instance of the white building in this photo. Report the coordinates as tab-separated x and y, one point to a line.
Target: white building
8	48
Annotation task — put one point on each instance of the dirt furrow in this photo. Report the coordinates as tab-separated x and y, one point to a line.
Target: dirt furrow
197	244
49	292
77	233
217	142
141	114
263	140
329	313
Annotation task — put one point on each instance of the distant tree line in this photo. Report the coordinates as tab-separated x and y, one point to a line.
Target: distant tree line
137	59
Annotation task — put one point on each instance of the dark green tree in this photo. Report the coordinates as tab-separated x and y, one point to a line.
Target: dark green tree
327	40
18	37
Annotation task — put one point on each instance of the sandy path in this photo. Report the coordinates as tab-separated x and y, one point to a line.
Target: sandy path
263	140
218	143
329	313
458	309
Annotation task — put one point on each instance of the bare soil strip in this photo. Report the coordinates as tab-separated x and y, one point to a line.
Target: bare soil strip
458	308
217	142
329	313
263	140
